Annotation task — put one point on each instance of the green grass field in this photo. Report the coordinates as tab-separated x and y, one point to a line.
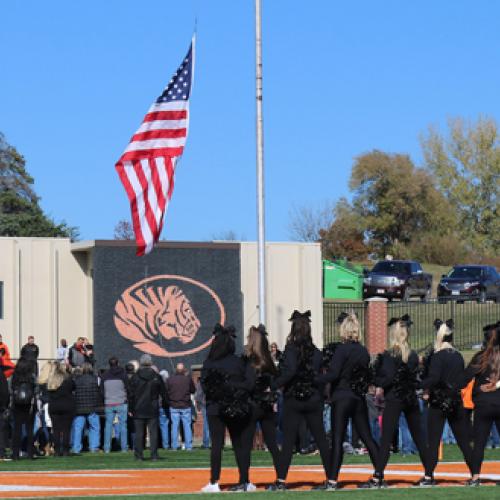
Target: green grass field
197	458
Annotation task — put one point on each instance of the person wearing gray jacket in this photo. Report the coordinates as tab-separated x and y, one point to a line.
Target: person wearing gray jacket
114	386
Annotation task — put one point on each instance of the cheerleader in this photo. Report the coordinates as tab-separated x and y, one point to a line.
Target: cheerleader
444	378
223	380
348	374
396	373
302	399
485	367
260	374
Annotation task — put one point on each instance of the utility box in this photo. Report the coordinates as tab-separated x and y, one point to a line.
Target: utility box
342	280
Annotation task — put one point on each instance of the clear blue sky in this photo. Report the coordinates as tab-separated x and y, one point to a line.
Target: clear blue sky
340	79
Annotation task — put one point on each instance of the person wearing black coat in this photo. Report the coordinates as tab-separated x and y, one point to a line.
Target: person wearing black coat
396	373
260	374
443	380
146	388
4	405
60	389
348	375
485	369
227	406
23	393
30	351
303	399
88	401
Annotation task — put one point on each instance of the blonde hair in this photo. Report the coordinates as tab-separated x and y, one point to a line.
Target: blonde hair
57	377
350	328
442	332
46	371
398	339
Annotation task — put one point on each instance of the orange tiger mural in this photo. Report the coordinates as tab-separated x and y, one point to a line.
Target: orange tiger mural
155	311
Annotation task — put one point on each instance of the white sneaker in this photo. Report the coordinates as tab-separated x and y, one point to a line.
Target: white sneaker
211	488
251	487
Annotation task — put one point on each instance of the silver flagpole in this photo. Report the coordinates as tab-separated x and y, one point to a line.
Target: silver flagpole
260	165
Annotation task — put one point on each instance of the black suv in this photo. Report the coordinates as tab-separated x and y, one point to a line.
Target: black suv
480	283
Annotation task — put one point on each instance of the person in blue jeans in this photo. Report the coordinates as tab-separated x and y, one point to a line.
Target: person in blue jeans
406	444
114	389
164	420
179	387
201	406
88	401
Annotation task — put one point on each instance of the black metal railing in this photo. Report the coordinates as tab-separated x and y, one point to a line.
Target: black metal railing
331	311
469	318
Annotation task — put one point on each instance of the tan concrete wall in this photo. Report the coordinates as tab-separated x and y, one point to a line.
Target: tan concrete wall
294	281
46	293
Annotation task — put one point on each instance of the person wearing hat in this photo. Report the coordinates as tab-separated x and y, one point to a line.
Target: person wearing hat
223	378
444	377
146	388
303	397
349	376
485	368
396	371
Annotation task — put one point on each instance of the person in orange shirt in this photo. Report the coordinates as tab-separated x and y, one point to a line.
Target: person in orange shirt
6	363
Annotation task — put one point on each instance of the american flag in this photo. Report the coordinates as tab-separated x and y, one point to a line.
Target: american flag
147	167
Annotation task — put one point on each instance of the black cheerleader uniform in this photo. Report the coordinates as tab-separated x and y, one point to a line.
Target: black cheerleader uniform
399	381
302	399
445	377
349	361
233	368
262	400
486	411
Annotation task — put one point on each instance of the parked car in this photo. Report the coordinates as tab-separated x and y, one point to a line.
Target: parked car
397	279
476	282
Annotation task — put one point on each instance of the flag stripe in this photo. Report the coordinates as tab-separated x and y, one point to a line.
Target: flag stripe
156	144
161	125
165	115
137	155
160	134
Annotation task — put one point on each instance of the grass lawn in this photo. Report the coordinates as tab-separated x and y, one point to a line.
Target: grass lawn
197	458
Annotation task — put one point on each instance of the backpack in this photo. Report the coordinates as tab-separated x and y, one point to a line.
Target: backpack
24	394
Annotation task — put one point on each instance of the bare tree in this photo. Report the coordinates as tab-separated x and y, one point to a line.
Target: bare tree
124	230
307	221
228	235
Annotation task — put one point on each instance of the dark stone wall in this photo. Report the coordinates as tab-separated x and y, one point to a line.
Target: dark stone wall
165	303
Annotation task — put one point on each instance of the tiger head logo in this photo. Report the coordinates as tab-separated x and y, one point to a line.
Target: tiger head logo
150	314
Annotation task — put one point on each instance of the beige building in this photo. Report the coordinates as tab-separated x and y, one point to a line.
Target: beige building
46	289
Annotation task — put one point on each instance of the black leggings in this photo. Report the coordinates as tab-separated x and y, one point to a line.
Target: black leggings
293	412
22	416
390	420
342	410
484	418
61	429
435	424
237	431
267	421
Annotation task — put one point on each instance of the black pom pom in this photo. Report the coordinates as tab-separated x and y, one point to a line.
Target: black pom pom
392	321
450	323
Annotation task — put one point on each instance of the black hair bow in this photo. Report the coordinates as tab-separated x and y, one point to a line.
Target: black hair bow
342	316
296	315
221	330
262	330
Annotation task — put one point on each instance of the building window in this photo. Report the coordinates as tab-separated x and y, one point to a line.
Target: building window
1	299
